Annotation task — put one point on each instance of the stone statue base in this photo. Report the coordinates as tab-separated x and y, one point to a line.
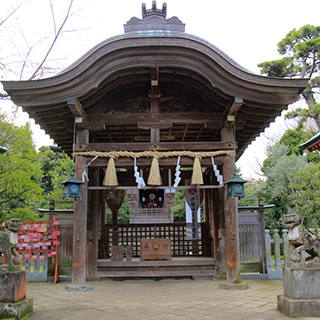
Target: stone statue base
13	301
16	310
301	287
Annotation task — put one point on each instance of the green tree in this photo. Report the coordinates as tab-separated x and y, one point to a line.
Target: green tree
19	172
280	169
301	51
179	208
56	168
292	138
306	194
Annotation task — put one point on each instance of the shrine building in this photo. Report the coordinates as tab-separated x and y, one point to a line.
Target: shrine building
151	111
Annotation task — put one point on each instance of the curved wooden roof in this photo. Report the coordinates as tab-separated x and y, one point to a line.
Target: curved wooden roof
193	77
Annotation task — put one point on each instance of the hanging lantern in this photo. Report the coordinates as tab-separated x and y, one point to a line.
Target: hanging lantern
235	187
72	188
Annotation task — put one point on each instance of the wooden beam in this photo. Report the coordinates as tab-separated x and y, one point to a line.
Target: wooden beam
155	77
78	111
159	146
154	93
98	122
152	187
231	111
185	132
163	163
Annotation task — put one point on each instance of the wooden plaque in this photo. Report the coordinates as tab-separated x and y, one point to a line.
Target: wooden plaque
155	249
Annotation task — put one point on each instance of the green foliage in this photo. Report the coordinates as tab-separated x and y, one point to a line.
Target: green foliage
19	172
280	169
304	114
302	50
253	190
281	68
304	46
56	168
306	194
292	138
179	208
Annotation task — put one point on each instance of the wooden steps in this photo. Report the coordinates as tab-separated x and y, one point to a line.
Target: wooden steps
156	269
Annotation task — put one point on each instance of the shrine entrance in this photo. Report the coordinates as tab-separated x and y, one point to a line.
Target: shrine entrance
151	110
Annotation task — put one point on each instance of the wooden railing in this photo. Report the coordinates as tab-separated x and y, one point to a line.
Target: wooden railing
131	234
151	212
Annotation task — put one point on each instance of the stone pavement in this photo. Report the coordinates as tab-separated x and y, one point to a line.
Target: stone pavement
165	299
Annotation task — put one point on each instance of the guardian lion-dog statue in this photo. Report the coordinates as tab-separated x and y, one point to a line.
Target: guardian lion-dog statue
304	244
8	242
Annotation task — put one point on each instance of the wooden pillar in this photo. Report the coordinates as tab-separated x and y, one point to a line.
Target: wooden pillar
104	235
114	200
115	228
263	253
231	229
80	226
231	218
92	246
218	233
206	230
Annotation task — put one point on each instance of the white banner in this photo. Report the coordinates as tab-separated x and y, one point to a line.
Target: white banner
193	203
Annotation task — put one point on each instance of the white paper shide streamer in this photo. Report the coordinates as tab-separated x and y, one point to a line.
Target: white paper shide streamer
217	172
177	174
139	180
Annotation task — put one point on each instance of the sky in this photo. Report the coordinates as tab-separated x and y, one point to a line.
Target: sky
247	31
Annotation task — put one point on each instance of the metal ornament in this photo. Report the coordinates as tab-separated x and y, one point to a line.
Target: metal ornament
72	188
235	187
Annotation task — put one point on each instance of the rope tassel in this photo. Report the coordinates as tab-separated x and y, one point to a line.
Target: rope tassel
110	179
197	177
154	176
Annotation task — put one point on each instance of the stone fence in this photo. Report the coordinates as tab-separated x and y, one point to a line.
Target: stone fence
277	251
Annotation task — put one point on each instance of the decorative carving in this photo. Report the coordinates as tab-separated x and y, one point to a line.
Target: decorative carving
143	105
114	199
169	200
154	19
173	104
135	105
133	199
8	242
304	244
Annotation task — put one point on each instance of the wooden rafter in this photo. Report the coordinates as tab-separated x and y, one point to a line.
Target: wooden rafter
78	111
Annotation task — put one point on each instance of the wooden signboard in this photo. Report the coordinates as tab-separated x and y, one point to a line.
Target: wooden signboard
155	249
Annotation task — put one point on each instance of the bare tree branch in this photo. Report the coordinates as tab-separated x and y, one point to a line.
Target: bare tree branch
11	14
54	41
53	18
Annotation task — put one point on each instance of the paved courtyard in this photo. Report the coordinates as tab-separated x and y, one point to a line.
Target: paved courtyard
165	299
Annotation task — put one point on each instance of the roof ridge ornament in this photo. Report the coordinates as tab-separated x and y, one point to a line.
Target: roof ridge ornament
154	19
154	10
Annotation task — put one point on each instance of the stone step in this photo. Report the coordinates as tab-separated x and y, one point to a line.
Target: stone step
156	269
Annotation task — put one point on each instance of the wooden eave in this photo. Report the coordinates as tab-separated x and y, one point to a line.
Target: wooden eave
121	66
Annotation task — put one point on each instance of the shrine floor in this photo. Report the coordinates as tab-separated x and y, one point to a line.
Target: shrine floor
164	299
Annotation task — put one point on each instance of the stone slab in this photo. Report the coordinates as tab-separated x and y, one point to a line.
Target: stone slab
301	283
12	286
79	288
299	307
17	309
234	286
